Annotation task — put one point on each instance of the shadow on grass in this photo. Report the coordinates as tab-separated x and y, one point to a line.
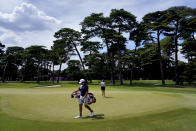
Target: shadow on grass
152	84
95	117
108	97
126	83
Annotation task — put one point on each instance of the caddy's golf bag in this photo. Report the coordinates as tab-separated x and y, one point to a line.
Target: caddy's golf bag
91	97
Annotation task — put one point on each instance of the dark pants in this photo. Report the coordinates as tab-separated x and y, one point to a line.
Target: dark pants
103	88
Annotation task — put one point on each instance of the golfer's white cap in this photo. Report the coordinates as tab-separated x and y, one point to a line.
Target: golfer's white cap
81	81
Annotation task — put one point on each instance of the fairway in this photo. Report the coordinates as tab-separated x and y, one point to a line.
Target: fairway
54	105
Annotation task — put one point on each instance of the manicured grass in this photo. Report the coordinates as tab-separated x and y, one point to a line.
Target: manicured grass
134	108
177	120
27	84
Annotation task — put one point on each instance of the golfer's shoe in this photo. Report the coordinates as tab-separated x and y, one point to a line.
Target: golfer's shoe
78	117
92	114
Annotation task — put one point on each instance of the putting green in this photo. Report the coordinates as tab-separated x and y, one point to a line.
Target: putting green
55	104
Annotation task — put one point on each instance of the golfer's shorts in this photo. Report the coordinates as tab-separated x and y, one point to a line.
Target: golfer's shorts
85	100
103	88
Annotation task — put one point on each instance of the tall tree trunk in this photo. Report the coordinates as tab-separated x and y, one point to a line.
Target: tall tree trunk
90	76
176	54
131	77
53	72
4	71
109	59
193	36
119	67
59	72
160	57
22	76
131	74
110	63
91	80
78	53
119	60
38	73
112	69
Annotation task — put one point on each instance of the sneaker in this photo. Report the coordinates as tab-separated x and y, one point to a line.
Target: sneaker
92	114
78	117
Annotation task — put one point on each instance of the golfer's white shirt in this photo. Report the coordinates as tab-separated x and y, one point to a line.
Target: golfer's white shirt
102	84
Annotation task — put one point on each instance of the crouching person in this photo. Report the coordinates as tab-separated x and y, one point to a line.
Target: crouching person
83	98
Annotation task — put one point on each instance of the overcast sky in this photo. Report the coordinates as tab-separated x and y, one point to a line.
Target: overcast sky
34	22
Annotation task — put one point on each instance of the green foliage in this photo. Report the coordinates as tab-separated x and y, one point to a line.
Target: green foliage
1	62
1	49
122	20
95	25
11	60
139	34
189	49
189	72
69	39
73	71
15	54
148	61
60	52
168	28
36	53
97	65
68	36
167	46
91	46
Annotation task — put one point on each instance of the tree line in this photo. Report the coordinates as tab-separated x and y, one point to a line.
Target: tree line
103	39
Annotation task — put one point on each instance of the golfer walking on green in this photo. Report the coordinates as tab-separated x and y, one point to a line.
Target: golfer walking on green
83	98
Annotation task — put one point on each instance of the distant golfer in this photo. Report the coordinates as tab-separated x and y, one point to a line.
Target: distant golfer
102	84
83	98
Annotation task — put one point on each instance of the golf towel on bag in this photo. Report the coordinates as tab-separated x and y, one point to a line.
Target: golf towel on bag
91	97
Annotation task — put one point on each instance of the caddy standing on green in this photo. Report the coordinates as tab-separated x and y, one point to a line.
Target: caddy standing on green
103	88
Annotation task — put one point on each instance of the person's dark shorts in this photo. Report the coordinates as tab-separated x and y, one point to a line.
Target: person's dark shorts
103	88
